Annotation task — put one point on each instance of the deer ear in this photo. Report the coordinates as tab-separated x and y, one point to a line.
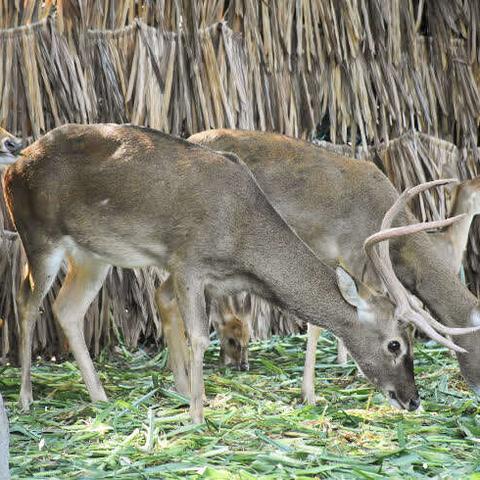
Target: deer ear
348	288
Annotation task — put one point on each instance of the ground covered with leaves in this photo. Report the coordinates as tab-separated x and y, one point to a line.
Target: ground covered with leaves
256	426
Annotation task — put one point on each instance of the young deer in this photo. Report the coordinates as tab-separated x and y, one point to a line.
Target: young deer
230	317
334	203
101	195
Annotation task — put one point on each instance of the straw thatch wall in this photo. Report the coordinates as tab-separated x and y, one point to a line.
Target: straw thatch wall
377	69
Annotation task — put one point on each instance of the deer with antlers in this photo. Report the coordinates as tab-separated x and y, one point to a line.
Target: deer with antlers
334	203
101	195
451	243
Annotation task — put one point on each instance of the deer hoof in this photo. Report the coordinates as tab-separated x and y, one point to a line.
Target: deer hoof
309	398
26	400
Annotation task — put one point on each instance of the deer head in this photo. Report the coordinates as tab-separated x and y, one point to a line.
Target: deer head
233	333
10	147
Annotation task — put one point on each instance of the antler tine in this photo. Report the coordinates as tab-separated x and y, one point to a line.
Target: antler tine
399	205
439	327
395	232
407	195
408	307
418	320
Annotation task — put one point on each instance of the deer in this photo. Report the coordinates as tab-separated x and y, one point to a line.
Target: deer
335	203
231	318
451	242
106	194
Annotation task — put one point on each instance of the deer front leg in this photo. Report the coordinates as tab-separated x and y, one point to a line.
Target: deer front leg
342	352
175	337
82	283
308	385
191	300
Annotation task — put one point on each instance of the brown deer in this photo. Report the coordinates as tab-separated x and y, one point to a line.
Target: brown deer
230	317
450	243
334	203
101	195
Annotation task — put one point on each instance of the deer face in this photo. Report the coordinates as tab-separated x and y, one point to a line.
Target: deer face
381	345
10	146
234	336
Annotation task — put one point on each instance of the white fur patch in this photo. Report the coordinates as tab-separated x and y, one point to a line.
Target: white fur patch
394	403
475	318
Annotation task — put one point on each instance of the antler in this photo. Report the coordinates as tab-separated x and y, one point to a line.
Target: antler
408	308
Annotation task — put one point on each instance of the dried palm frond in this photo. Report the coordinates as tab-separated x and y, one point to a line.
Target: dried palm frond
380	69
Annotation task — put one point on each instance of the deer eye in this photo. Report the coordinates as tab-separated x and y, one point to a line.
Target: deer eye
394	346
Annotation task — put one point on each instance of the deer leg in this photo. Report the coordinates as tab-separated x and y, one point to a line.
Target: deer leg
82	283
342	352
39	275
175	337
308	385
191	300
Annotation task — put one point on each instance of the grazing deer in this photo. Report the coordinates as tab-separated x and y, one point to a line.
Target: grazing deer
101	195
451	244
4	442
231	318
334	203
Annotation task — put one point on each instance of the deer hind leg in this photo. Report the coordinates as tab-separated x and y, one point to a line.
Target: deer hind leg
175	337
190	295
308	384
83	281
43	266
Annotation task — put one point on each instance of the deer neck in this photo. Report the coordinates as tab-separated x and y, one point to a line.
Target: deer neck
298	282
426	272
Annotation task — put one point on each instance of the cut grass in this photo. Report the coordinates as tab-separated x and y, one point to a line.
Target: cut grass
255	426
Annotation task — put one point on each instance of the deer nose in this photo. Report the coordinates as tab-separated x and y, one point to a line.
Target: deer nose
414	404
244	367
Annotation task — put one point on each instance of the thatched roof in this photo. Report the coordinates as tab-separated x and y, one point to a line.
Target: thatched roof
378	69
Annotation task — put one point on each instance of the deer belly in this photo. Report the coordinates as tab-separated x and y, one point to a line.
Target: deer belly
118	252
